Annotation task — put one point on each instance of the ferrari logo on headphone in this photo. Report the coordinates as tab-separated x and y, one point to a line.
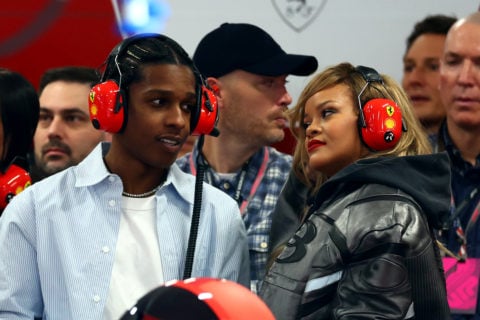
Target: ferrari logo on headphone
21	188
390	110
93	107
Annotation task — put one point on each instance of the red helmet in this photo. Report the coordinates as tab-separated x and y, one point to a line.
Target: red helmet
200	299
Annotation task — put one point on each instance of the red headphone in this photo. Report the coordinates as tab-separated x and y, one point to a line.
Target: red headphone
13	181
380	119
107	103
200	298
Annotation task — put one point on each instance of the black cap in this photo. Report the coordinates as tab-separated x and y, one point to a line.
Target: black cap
247	47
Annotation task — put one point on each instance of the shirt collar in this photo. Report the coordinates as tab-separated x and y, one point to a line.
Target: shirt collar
183	183
92	170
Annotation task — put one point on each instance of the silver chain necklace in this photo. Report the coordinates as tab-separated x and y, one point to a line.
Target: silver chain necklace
140	195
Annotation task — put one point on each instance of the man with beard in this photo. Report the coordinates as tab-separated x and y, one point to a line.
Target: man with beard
247	69
64	135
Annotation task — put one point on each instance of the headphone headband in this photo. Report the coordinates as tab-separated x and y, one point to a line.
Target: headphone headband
108	101
369	74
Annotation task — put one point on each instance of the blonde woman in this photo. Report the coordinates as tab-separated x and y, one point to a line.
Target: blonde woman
365	248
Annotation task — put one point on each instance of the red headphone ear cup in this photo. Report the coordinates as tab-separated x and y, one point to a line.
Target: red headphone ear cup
214	87
383	129
106	107
12	182
208	114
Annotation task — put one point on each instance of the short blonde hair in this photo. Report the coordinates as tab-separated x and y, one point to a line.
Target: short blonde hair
414	141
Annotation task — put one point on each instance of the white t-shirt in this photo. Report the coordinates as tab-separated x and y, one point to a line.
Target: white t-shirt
137	268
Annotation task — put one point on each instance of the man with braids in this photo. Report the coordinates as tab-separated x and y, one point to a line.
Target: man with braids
89	241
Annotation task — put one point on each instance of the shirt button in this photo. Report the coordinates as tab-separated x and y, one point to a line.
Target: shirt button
111	203
105	249
96	298
226	185
263	245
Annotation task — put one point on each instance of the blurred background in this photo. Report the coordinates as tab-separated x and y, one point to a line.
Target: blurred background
40	34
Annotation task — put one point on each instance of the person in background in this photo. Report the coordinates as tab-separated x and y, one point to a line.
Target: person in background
421	71
248	71
64	135
460	137
91	240
366	248
19	109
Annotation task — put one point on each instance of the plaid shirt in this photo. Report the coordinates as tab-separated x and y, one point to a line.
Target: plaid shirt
257	214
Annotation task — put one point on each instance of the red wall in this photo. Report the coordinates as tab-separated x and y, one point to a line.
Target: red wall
39	34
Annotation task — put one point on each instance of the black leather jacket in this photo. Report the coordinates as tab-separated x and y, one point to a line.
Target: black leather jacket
366	250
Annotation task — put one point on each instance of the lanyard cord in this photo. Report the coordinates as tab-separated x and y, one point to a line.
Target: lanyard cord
462	205
241	181
256	183
461	234
209	177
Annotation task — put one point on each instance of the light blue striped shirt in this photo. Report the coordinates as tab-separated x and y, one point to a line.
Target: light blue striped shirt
58	238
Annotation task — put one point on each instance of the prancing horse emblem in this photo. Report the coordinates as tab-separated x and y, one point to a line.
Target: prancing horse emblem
298	14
